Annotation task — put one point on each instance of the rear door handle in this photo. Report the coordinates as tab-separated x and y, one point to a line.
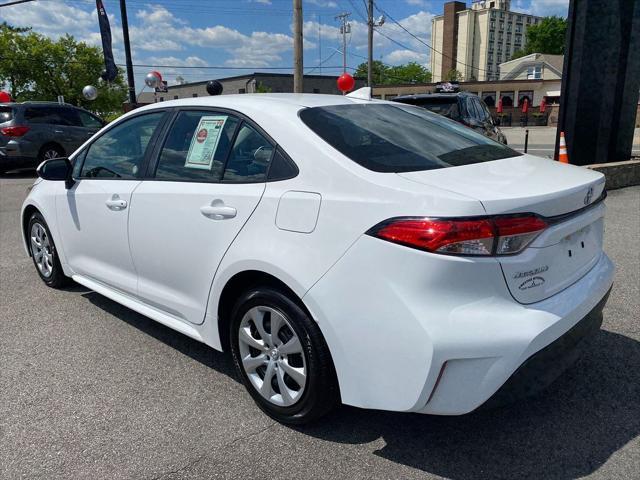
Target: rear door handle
116	203
218	211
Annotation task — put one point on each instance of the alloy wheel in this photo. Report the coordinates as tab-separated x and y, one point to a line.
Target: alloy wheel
41	249
272	356
50	154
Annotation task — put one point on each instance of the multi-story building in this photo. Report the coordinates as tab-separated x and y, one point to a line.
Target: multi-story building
475	41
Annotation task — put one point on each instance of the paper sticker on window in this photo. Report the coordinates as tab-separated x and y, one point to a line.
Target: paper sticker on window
205	142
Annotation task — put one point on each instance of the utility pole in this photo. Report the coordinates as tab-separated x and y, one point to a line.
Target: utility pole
127	53
344	29
297	46
370	44
371	24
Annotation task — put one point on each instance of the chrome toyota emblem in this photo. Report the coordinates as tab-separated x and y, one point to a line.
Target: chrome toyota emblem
587	197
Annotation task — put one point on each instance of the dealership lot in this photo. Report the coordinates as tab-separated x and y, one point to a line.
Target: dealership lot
89	388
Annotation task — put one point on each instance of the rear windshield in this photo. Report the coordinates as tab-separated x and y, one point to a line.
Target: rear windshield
400	138
443	106
6	114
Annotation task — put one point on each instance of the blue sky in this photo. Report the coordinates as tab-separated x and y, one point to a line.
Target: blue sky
246	35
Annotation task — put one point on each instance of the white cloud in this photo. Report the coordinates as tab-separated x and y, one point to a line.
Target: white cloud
323	3
542	8
417	3
398	57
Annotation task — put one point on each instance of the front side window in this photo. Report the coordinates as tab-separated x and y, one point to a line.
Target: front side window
250	157
400	138
119	153
196	147
88	120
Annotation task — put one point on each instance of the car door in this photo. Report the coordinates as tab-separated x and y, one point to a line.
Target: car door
93	214
89	124
207	181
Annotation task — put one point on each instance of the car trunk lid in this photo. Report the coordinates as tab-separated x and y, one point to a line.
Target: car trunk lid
565	195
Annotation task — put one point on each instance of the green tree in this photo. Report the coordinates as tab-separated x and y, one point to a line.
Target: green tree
548	36
262	88
453	75
517	54
384	74
378	70
34	67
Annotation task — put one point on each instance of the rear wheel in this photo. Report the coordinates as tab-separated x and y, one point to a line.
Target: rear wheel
282	357
49	152
44	253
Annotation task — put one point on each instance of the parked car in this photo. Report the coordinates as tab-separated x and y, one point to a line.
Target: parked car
31	132
463	107
344	250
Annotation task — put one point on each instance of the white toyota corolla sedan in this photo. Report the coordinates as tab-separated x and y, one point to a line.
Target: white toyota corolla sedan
344	250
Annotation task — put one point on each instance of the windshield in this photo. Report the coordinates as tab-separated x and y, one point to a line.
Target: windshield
400	138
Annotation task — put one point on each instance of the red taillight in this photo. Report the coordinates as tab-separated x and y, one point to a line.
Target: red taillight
480	236
16	131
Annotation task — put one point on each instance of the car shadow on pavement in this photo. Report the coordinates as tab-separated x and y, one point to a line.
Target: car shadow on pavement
568	431
221	362
18	174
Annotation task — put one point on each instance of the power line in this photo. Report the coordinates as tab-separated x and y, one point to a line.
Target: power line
15	2
425	43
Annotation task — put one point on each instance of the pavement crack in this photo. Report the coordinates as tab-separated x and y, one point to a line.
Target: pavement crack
199	458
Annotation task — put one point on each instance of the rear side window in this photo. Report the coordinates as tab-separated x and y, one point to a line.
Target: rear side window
119	153
442	106
46	115
400	138
6	114
250	157
197	146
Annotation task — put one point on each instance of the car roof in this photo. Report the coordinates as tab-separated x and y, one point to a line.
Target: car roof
427	96
261	107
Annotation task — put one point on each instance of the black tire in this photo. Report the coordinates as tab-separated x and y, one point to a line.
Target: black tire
321	392
49	151
56	278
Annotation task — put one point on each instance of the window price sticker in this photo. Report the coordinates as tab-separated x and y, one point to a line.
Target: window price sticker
204	142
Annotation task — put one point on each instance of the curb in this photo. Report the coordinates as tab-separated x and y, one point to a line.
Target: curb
619	174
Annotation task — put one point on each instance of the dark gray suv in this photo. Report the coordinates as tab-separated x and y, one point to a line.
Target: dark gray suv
31	132
463	107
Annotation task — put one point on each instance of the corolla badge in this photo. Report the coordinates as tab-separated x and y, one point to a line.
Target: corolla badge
588	196
531	283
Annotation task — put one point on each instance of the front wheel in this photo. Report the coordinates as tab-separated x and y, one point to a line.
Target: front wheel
44	253
282	357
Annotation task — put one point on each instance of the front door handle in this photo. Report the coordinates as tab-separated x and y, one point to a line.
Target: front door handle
116	203
218	211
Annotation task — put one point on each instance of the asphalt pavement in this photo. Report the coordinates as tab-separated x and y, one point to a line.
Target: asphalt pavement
542	140
90	389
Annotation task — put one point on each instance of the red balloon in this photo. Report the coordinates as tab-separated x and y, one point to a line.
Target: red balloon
345	82
5	97
157	74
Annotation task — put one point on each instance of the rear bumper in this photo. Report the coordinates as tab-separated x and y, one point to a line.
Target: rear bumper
413	331
545	366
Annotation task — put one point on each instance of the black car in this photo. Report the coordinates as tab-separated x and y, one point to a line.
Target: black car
31	132
463	107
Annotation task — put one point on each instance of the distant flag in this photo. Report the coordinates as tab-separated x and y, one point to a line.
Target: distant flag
111	71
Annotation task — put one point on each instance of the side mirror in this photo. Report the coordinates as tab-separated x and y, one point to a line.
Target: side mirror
56	169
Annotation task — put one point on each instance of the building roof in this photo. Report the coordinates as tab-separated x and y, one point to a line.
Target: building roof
515	66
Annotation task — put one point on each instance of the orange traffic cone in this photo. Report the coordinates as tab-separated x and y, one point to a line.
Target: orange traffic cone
563	157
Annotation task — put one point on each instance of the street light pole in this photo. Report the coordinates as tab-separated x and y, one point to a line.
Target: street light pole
127	53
